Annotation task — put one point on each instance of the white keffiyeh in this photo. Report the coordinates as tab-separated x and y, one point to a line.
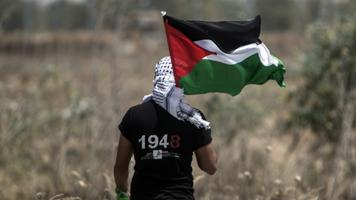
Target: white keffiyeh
172	98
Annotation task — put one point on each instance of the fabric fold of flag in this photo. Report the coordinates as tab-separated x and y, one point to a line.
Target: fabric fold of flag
220	56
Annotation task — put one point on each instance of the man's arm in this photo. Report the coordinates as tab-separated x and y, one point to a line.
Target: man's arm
207	158
121	169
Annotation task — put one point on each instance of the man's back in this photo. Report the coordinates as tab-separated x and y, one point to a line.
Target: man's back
163	147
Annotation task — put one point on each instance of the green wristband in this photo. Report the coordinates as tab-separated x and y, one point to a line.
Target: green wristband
120	195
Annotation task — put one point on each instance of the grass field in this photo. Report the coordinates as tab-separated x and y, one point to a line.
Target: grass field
60	104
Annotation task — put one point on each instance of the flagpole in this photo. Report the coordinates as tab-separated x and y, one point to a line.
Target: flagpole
164	13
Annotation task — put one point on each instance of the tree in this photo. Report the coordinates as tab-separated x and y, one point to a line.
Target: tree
64	15
276	14
11	15
322	102
326	102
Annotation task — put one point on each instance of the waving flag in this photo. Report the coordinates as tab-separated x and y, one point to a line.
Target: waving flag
219	56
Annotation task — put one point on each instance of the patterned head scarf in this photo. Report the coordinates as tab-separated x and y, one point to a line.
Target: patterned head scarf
171	98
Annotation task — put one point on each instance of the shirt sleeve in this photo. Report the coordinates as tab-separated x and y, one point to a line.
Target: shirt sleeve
125	125
202	137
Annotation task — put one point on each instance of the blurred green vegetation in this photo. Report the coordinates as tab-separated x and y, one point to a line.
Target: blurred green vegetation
277	15
325	103
329	73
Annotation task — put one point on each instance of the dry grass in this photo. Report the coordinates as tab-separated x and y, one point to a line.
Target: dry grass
58	134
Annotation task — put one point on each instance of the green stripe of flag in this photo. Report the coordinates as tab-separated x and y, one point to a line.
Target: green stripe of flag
212	76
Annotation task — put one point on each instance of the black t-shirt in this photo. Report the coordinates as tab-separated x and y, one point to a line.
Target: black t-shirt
163	150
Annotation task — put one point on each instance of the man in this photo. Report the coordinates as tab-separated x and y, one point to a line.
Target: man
162	133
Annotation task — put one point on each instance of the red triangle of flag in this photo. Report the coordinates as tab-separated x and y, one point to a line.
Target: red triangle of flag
184	53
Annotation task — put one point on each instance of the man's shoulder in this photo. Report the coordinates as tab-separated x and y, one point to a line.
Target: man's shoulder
137	113
200	112
141	107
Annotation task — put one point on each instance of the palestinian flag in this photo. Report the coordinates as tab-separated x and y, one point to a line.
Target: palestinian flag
219	56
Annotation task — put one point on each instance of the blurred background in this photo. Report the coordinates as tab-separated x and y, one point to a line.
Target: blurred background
69	70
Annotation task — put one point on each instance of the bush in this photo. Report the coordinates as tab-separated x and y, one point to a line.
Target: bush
329	68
